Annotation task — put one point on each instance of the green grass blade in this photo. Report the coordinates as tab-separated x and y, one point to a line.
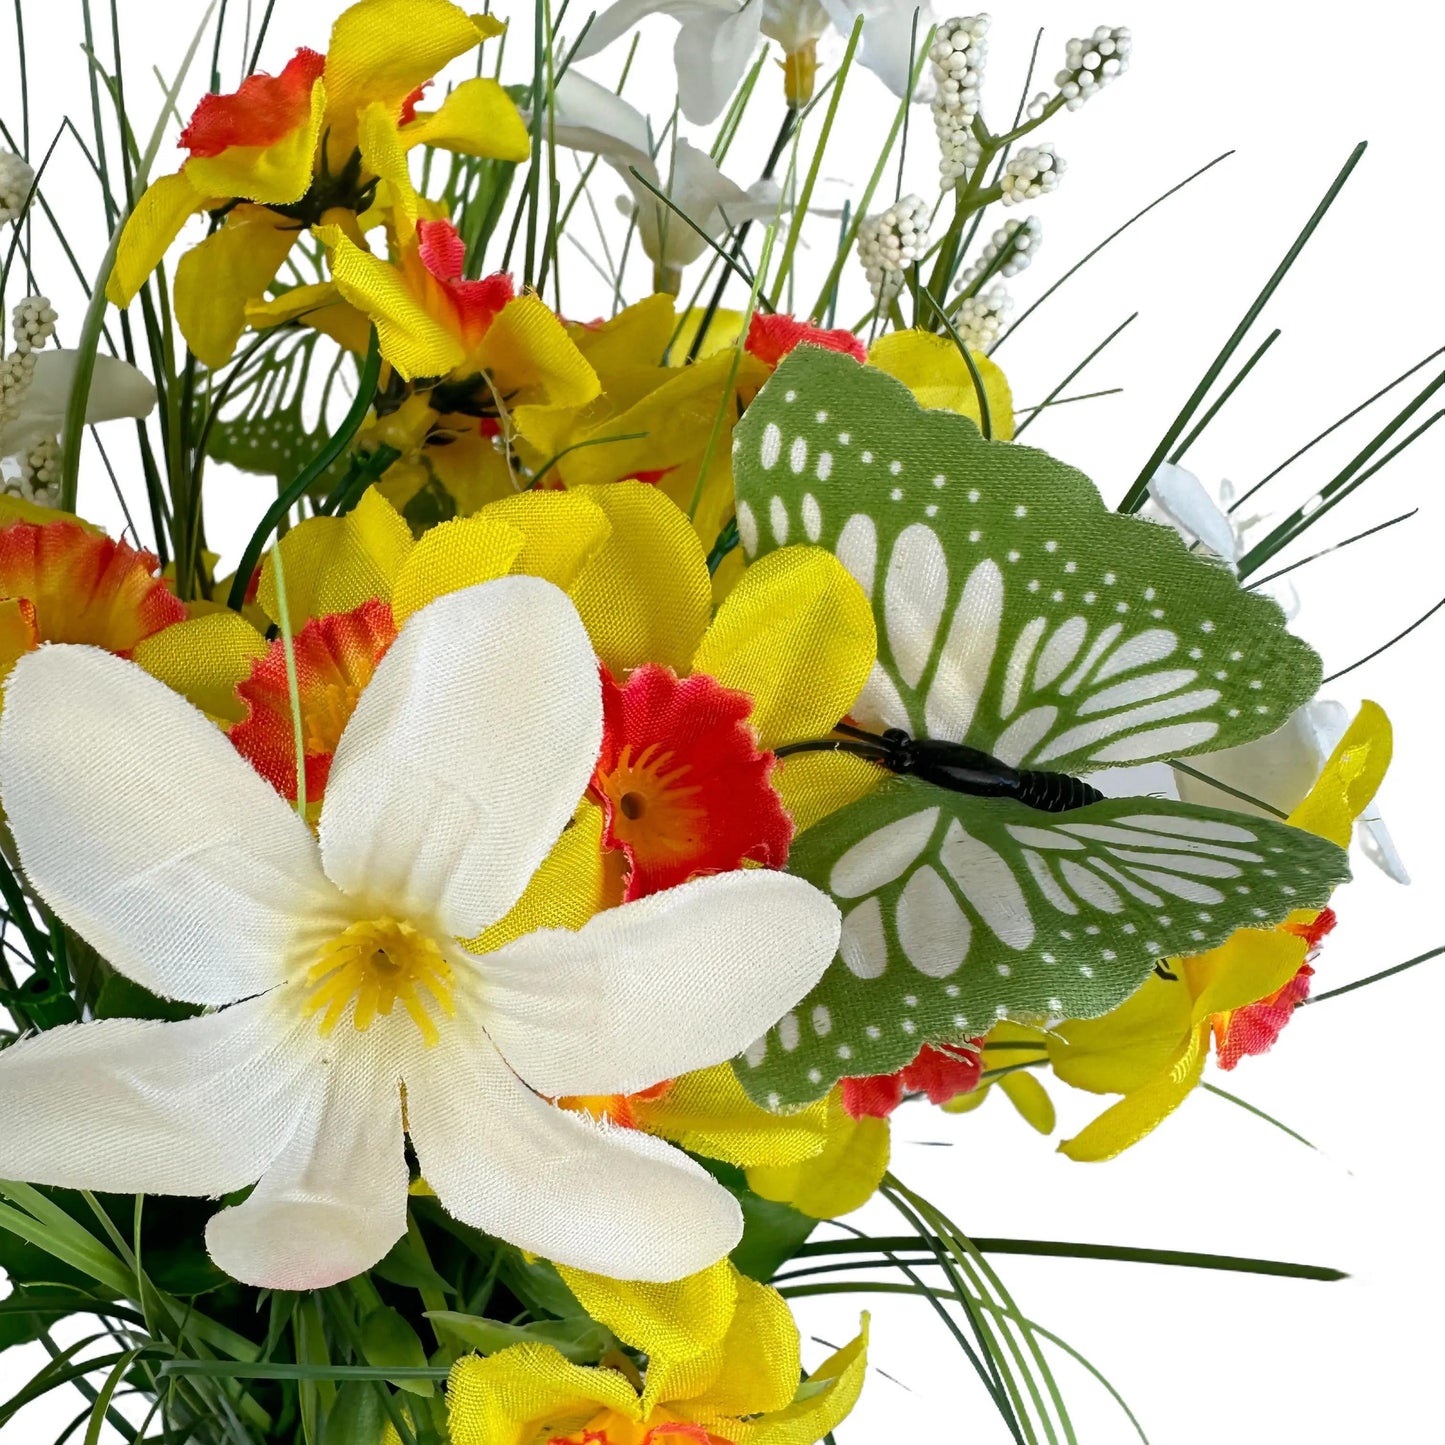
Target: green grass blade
1082	366
1375	977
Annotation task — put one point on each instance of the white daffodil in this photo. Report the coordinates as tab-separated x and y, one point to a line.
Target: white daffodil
589	117
717	38
1281	768
460	767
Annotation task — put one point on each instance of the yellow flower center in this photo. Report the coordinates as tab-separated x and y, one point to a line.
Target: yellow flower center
325	714
375	963
652	810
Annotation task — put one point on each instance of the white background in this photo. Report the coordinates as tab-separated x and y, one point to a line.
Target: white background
1201	1357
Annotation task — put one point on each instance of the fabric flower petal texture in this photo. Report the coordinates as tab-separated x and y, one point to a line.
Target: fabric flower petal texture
353	1012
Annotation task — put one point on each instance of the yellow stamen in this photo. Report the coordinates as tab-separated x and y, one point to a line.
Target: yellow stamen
375	963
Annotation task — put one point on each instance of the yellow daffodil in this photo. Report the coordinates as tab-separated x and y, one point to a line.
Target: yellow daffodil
741	1388
310	146
932	369
840	1178
1153	1048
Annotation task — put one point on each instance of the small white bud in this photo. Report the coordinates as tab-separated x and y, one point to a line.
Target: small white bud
1092	63
979	320
1016	241
890	242
960	48
16	178
1033	172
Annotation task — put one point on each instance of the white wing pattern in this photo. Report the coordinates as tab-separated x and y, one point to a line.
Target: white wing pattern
961	911
1015	611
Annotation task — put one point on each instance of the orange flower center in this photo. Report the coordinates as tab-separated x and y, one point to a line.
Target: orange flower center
326	713
654	812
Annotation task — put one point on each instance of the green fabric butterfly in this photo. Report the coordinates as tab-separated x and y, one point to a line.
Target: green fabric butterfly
1020	616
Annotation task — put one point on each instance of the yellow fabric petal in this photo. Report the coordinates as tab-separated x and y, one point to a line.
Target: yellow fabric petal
457	554
931	368
381	50
760	1364
722	332
411	339
1127	1048
203	659
383	153
709	1113
216	279
562	532
1138	1113
527	1391
1349	778
815	785
477	119
333	564
646	596
840	1179
318	305
526	347
797	635
1252	964
564	892
18	635
1031	1099
813	1417
274	175
473	469
632	340
676	1320
155	222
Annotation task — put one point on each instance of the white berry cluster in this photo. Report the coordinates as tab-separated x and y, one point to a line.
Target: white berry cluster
979	320
1016	241
33	324
959	50
38	480
1032	173
890	242
16	178
1091	63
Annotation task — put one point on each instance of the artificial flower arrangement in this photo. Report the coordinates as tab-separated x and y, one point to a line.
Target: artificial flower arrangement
456	960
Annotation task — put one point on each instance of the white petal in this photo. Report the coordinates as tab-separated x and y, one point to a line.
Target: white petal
466	755
144	829
1378	846
1182	497
334	1200
618	19
889	36
605	1199
117	390
712	54
685	978
589	117
135	1106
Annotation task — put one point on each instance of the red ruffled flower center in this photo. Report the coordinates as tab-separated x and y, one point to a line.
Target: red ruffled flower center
474	304
409	105
772	337
81	587
942	1071
336	656
1253	1029
266	108
684	789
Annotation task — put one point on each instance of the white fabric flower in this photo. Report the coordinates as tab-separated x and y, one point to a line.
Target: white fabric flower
717	38
463	762
37	410
1281	768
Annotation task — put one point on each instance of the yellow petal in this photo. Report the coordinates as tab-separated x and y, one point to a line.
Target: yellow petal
676	1320
457	554
383	153
1128	1047
562	532
931	368
1030	1098
18	634
333	564
274	175
318	305
709	1113
814	1416
473	469
645	597
815	785
840	1179
203	659
526	347
381	50
156	221
1349	778
477	119
1143	1110
722	332
632	340
1250	965
563	893
216	279
797	635
527	1391
411	339
757	1369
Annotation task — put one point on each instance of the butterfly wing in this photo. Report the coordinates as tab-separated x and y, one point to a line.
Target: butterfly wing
961	911
1015	611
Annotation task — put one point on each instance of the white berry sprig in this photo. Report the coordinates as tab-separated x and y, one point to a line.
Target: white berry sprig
16	179
890	242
